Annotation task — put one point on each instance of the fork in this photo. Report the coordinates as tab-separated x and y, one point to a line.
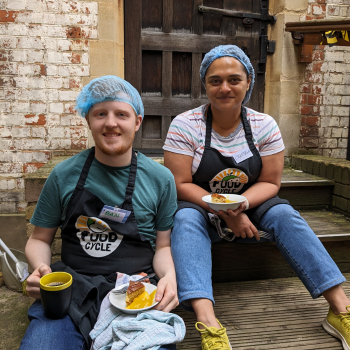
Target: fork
124	289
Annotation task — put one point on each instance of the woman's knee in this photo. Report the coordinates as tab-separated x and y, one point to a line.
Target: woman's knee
280	210
189	215
190	228
279	214
187	220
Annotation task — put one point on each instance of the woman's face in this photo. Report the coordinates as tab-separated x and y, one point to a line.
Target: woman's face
226	83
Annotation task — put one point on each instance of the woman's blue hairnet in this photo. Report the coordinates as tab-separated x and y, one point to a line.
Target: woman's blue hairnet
232	51
108	88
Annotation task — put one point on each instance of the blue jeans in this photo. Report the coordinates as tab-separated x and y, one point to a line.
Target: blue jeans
192	236
44	334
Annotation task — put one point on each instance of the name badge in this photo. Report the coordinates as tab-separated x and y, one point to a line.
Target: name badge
242	155
114	214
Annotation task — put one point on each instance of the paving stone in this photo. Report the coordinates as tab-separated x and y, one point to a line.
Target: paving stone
13	318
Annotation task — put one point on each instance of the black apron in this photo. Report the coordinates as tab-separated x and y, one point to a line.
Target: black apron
94	246
219	174
94	249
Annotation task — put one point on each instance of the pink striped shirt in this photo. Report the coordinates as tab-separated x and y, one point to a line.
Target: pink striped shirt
186	136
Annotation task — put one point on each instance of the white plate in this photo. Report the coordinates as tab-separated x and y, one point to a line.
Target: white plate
225	206
118	300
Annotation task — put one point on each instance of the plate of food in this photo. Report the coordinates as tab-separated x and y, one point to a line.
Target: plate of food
224	202
139	297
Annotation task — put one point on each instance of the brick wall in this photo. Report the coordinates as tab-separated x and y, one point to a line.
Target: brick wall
324	93
44	56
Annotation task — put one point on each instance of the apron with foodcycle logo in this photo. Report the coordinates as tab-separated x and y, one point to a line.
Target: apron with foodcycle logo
94	245
230	175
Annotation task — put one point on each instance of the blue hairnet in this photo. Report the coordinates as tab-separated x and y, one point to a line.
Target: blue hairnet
108	88
232	51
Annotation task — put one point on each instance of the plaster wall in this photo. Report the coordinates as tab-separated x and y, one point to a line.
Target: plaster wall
283	73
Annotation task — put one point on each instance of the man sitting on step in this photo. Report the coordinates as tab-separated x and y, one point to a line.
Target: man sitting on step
95	245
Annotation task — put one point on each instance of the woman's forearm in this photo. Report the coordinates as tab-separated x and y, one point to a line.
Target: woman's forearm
260	192
256	194
191	192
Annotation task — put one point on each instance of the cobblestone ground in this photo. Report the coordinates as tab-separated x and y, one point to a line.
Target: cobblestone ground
13	317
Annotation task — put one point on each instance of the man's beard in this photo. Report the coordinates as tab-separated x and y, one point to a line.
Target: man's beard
120	150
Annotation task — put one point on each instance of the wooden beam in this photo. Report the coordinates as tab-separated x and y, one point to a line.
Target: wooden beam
316	29
322	23
305	53
170	106
167	16
179	42
196	84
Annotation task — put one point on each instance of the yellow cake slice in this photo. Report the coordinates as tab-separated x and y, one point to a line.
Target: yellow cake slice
135	289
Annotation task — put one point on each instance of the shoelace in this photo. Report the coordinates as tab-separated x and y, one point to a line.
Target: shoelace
217	340
345	318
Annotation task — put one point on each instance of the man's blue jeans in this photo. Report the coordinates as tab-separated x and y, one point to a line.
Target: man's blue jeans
45	334
192	236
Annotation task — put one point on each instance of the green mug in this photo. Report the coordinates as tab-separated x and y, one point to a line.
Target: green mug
56	294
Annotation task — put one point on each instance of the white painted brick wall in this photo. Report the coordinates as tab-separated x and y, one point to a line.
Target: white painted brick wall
41	75
328	77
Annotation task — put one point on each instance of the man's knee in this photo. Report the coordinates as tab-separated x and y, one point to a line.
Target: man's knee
43	333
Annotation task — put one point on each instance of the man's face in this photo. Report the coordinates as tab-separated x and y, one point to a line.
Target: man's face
113	125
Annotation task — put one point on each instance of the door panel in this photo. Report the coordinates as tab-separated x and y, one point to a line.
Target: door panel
165	42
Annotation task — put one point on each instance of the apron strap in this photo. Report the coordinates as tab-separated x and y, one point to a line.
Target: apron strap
208	128
247	129
84	173
132	178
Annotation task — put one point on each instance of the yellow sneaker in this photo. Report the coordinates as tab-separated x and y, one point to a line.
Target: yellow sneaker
339	326
213	338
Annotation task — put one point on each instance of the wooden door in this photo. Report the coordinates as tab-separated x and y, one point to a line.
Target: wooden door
165	41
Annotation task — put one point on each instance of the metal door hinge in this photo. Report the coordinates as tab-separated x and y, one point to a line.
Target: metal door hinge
244	15
271	47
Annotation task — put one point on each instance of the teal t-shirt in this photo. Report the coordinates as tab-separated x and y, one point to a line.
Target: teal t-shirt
154	199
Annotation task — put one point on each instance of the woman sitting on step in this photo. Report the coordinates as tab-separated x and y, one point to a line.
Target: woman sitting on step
224	137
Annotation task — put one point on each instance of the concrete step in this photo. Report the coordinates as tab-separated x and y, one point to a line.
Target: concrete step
306	191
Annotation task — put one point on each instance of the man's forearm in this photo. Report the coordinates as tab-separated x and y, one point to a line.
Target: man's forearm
163	263
37	253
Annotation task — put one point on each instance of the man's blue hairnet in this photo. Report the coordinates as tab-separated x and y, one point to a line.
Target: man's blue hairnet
108	88
232	51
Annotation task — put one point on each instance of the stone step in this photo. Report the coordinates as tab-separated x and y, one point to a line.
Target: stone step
234	261
306	191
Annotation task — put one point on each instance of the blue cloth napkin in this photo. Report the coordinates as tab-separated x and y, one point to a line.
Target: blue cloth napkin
115	330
